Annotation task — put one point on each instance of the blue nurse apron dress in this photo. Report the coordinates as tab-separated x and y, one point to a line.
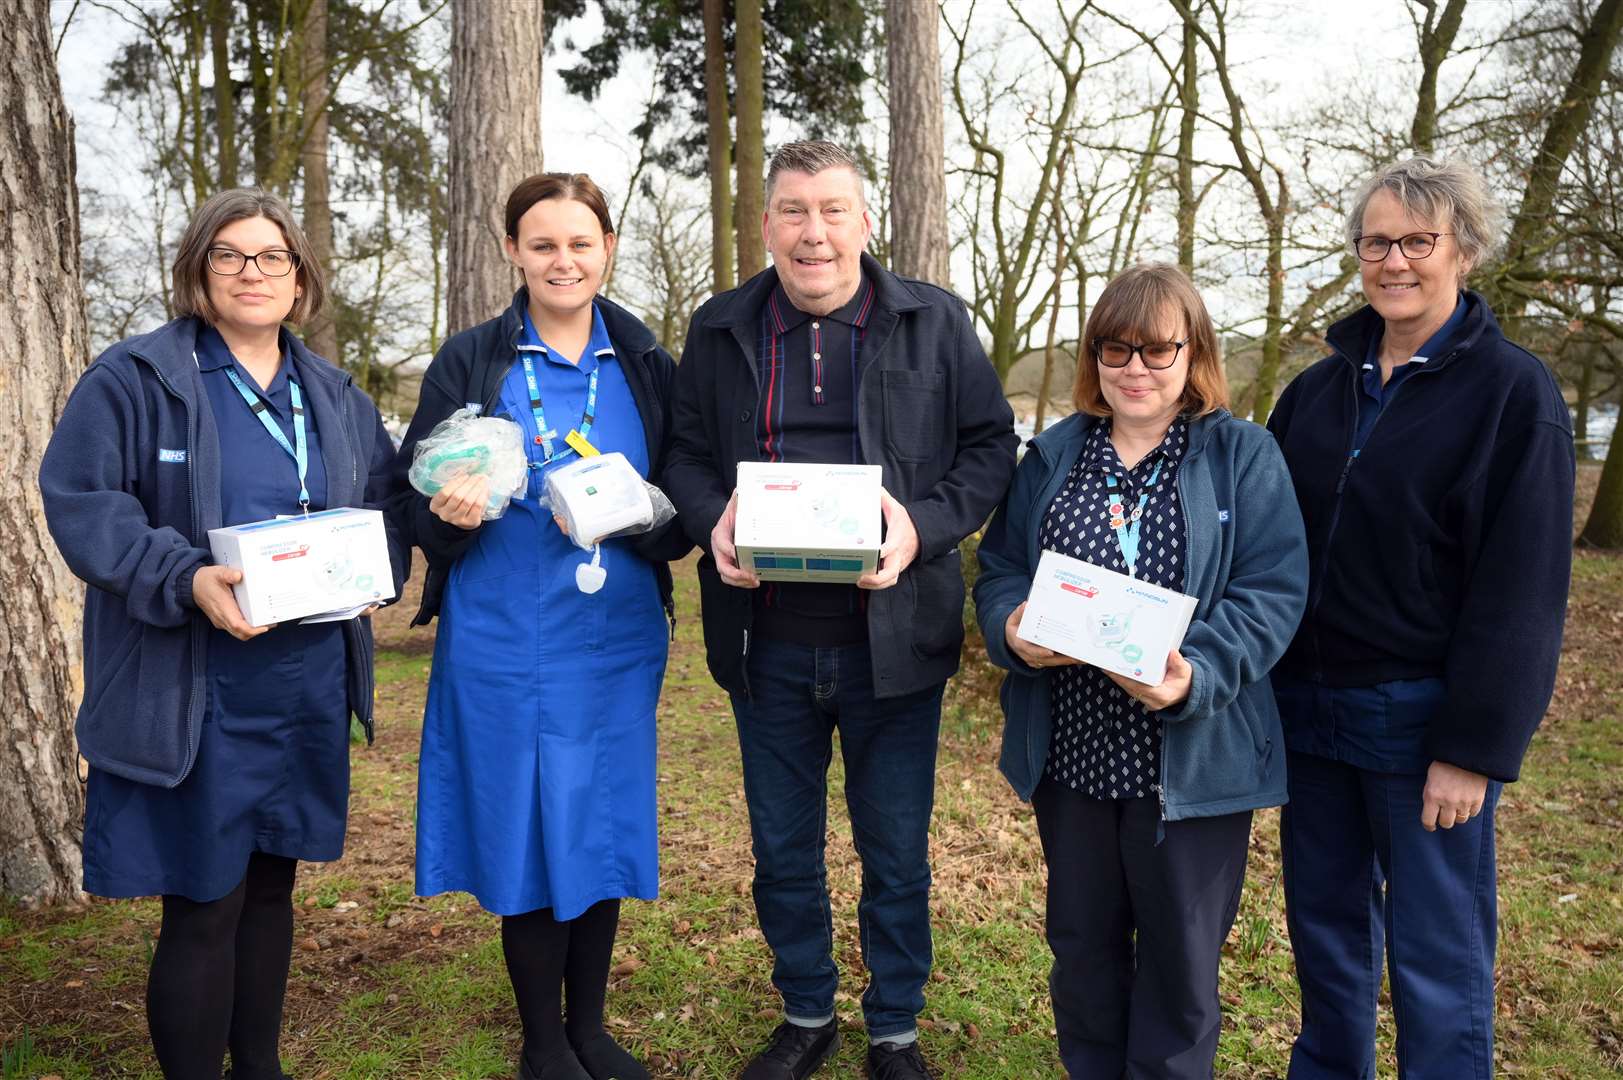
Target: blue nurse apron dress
536	780
272	768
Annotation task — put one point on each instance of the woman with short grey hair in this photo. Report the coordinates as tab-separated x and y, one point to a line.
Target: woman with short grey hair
1433	462
218	749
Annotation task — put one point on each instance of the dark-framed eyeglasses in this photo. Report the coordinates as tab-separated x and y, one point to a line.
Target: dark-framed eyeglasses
272	262
1157	355
1417	245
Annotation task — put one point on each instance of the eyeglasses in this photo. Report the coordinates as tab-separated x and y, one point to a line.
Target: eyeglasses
272	262
1417	245
1157	355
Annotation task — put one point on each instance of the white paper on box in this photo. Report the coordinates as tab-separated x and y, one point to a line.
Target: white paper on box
806	522
1104	618
324	563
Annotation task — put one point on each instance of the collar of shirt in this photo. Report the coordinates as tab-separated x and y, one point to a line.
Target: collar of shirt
1098	452
1435	345
598	346
854	312
213	354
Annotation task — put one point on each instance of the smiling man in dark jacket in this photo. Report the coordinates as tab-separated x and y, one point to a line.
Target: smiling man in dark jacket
826	357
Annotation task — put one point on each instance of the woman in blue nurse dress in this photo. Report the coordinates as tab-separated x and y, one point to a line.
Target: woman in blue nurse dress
536	784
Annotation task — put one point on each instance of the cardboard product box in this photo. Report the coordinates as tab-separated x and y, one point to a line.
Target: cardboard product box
1107	619
333	563
808	522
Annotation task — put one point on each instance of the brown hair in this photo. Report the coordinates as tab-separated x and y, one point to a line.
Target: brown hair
557	185
190	271
1131	309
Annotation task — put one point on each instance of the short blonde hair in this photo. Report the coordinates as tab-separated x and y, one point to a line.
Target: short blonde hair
1131	308
1437	191
190	270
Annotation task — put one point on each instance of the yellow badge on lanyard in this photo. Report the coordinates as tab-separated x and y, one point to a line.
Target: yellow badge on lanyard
577	442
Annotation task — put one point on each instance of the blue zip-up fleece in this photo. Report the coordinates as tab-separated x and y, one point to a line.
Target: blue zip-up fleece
1443	547
1245	560
131	482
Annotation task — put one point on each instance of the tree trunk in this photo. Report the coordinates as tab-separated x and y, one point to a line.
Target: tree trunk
1436	41
1604	527
41	807
1189	103
495	141
918	171
751	153
322	332
1057	219
718	136
225	98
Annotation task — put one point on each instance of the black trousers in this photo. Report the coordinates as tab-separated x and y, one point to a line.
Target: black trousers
1137	928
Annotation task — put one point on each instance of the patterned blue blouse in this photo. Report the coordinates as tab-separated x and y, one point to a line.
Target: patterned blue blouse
1106	744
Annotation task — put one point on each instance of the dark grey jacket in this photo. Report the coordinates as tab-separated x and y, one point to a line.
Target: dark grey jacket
931	413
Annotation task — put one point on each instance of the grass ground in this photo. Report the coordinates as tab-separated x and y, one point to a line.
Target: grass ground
387	985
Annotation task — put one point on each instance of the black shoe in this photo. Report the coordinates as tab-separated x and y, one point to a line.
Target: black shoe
563	1065
794	1052
606	1059
887	1061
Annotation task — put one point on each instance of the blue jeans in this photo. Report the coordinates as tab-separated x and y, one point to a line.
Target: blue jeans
1363	879
799	695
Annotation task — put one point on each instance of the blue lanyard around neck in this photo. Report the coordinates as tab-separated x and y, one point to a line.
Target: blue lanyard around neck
300	450
1128	526
543	434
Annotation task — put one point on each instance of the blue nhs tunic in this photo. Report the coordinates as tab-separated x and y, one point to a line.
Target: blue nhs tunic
272	768
536	782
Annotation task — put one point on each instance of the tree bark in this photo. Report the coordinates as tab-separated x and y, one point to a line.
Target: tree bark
1189	104
1436	42
718	137
751	153
1572	116
322	332
495	141
43	326
225	97
918	189
1604	526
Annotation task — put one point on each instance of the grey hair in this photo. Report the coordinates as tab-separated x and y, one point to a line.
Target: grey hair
1437	191
812	156
190	271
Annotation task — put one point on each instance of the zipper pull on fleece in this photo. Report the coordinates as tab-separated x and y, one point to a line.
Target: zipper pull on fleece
1341	481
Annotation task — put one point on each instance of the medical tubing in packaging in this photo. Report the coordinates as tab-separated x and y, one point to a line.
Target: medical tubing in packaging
604	496
465	444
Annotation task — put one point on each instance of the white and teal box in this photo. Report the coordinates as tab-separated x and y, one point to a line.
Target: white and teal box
308	564
808	522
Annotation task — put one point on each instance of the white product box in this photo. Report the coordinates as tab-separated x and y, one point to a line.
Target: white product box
1104	618
808	522
326	563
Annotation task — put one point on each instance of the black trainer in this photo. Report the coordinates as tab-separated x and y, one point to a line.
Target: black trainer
887	1061
794	1052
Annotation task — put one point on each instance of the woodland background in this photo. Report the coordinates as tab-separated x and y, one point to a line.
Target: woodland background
1020	151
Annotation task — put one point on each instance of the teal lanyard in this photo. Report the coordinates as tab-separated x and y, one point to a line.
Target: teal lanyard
1128	526
300	450
543	434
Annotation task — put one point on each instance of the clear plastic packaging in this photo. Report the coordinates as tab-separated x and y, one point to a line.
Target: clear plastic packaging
602	496
466	443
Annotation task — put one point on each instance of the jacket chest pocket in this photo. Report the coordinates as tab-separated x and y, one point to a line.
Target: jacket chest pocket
915	402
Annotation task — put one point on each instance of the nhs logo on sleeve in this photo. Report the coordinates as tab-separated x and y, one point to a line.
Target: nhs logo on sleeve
177	457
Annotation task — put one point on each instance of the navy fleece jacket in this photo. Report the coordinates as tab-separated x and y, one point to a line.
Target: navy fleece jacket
131	483
1443	548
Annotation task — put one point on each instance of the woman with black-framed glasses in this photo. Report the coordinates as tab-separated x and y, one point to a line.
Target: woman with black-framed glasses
218	750
1144	794
1433	461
